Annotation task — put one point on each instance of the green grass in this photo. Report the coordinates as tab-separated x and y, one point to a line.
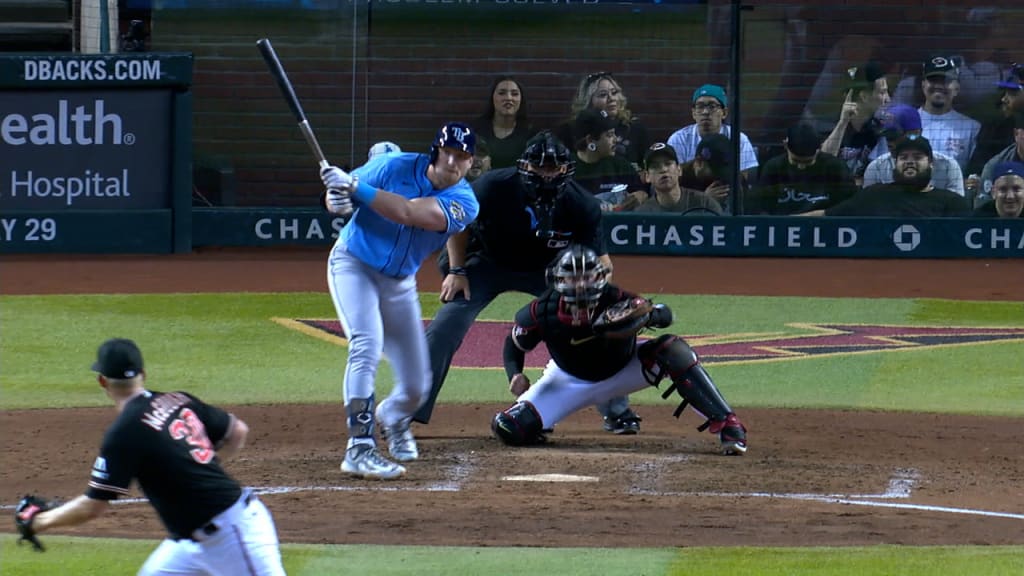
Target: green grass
105	556
224	348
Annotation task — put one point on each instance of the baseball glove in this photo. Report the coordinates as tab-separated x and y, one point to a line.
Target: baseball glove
24	513
625	318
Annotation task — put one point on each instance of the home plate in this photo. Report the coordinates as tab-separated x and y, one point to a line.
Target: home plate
550	478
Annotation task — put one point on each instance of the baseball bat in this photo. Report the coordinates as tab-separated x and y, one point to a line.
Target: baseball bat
288	91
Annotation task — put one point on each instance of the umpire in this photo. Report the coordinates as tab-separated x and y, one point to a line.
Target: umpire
527	215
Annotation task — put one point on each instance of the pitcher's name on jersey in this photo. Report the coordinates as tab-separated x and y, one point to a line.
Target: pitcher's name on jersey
163	408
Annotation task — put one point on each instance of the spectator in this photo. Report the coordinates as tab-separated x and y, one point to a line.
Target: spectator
1007	193
661	172
1012	153
598	169
710	170
481	161
504	124
910	194
995	135
383	147
950	132
710	109
601	91
903	121
803	178
856	138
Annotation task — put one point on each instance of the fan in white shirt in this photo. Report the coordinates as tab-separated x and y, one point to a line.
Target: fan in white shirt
710	108
950	132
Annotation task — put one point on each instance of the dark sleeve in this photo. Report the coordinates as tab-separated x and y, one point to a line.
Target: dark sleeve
524	336
852	206
216	421
957	206
114	468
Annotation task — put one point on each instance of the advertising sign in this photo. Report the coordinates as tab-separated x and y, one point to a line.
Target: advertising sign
85	150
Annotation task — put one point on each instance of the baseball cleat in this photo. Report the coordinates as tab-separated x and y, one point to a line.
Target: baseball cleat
733	436
626	423
365	461
401	443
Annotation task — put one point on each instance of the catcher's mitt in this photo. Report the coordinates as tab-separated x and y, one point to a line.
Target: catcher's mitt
625	318
24	513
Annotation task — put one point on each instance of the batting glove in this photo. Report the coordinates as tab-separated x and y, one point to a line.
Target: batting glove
336	178
339	202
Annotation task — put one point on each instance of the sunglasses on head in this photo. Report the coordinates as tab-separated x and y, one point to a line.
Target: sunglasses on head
591	78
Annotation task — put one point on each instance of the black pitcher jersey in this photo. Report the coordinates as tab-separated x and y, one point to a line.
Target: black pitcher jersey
167	442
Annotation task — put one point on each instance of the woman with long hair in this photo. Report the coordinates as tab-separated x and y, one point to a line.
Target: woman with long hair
504	124
601	91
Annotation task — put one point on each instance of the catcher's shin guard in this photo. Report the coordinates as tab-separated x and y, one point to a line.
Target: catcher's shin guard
673	357
519	425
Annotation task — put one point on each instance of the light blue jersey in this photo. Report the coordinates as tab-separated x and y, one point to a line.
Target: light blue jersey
395	249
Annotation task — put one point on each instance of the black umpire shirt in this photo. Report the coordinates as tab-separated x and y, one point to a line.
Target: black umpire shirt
167	442
505	230
576	349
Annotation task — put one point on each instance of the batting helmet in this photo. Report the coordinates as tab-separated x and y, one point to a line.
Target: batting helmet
454	135
579	276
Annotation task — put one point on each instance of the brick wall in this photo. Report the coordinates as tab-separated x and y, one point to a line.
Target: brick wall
394	70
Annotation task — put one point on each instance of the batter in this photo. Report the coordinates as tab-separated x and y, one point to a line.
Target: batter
406	206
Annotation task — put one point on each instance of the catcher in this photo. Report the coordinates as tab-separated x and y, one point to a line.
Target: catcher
590	328
172	444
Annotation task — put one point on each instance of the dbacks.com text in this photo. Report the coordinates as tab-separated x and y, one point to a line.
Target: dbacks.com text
117	70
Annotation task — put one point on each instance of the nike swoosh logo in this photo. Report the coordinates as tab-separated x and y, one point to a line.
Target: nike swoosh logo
577	342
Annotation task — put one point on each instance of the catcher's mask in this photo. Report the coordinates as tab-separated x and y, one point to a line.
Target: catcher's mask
578	275
545	167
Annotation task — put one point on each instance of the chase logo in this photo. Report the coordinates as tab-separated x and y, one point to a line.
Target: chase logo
906	238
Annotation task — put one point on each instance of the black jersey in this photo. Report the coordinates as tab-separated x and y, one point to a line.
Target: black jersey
576	349
505	230
167	442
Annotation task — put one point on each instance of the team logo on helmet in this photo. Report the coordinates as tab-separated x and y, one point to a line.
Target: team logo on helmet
454	135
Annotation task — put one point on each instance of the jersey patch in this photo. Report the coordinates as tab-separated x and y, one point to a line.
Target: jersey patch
458	211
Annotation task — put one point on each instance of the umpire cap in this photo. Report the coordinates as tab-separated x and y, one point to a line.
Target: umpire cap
118	358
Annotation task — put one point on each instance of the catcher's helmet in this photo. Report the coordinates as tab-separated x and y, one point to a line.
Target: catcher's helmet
579	276
454	135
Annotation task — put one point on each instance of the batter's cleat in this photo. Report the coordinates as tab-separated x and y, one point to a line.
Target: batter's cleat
365	461
733	434
401	444
626	423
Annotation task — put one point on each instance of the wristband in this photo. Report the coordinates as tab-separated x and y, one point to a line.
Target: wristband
365	193
457	271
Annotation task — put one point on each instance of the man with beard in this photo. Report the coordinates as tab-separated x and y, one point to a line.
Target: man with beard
1007	193
903	121
910	194
949	131
803	178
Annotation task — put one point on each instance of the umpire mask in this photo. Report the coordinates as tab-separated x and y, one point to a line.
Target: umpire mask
545	167
578	275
